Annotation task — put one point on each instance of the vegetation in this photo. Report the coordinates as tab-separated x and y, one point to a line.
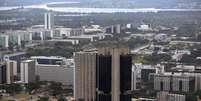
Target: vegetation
54	51
12	88
191	59
32	86
136	42
44	98
55	88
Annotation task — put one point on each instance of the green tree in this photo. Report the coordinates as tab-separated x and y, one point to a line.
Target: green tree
32	86
56	88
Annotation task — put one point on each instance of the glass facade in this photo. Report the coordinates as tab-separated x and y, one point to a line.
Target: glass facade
103	78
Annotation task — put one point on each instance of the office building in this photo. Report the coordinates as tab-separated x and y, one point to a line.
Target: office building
4	41
2	73
41	34
85	76
27	73
54	68
11	72
15	39
103	75
49	20
134	78
142	73
114	29
118	65
175	83
166	96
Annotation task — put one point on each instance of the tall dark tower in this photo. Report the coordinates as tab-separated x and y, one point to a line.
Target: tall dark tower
111	70
113	81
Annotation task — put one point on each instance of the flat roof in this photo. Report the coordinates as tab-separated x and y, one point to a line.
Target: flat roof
47	57
27	60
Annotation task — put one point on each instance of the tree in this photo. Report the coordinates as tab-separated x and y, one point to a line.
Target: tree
32	86
61	98
13	88
191	97
56	88
188	59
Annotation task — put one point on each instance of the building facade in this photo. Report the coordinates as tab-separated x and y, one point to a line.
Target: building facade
85	76
11	71
166	96
54	68
110	69
27	71
4	41
2	73
174	83
49	20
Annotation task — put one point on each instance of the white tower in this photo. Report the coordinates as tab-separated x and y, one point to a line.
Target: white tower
49	20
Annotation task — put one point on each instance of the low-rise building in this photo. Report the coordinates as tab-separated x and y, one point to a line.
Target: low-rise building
178	82
54	68
166	96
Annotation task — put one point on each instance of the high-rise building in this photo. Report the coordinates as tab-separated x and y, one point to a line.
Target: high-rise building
114	74
85	76
49	20
4	41
2	73
11	71
134	78
28	71
104	75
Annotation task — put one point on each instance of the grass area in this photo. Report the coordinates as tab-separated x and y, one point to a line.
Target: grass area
138	59
6	99
22	95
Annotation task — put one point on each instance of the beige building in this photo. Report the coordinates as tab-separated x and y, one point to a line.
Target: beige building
11	71
27	73
85	76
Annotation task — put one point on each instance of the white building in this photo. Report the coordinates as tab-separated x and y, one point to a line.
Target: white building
15	37
91	38
72	41
143	72
134	78
92	28
145	28
178	82
67	32
49	20
27	71
4	41
11	71
54	68
41	34
166	96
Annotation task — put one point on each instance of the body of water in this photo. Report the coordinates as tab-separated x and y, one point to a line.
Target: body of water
93	10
